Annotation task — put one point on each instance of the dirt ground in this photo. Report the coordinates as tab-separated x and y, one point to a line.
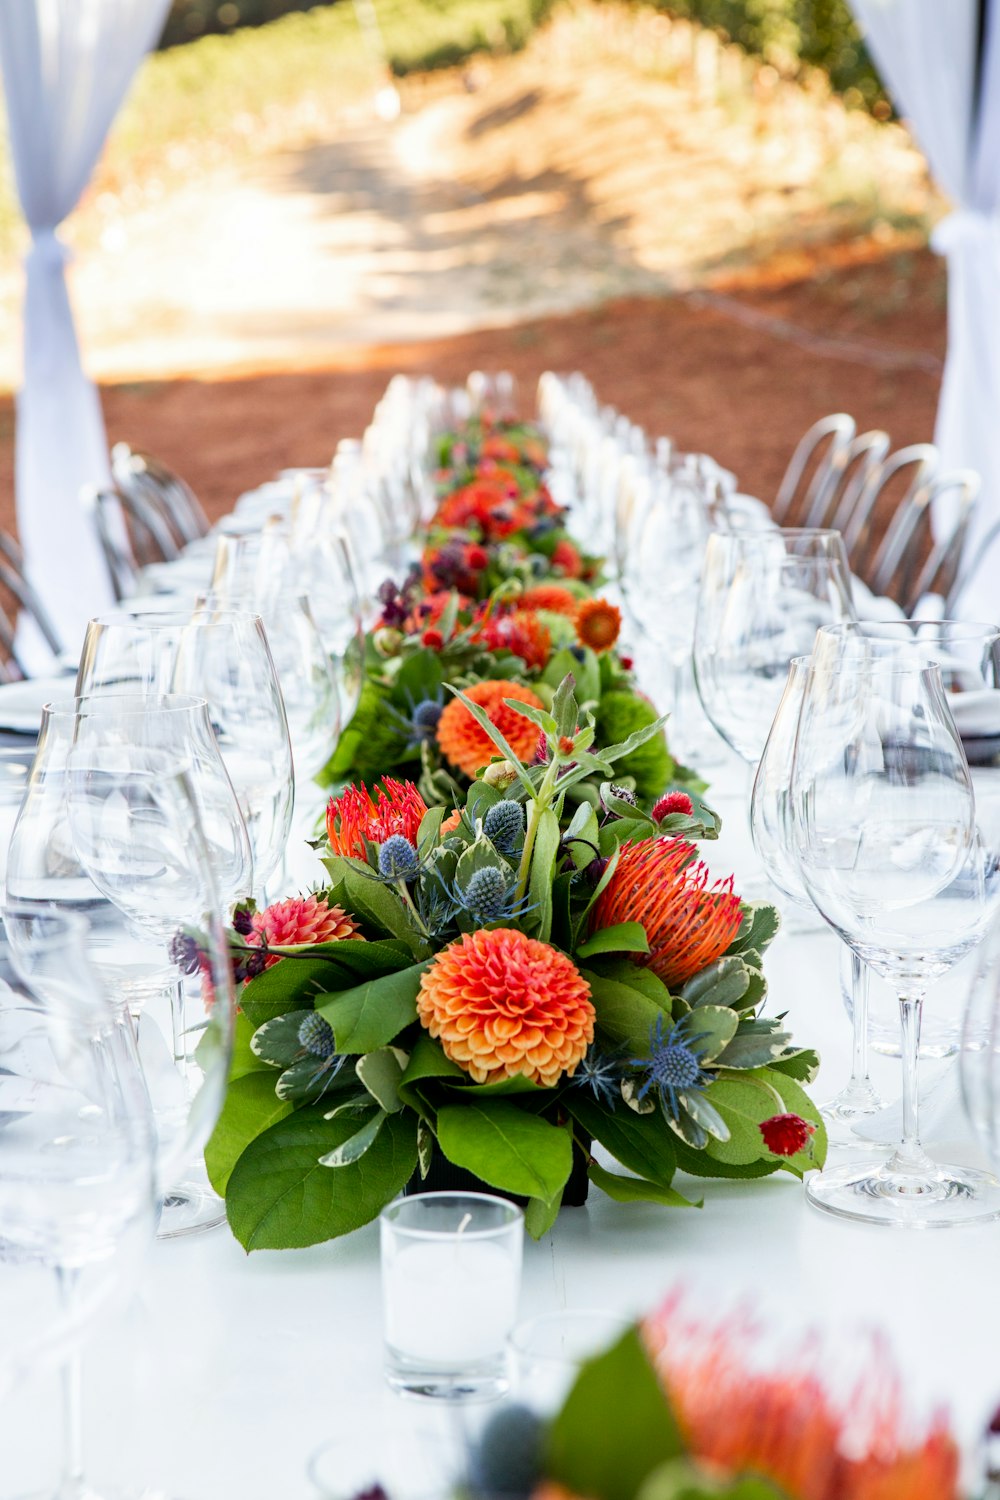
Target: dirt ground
726	256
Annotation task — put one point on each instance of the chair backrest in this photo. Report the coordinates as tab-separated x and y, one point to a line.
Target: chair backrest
824	446
908	553
138	473
866	523
835	500
942	569
13	578
968	567
106	507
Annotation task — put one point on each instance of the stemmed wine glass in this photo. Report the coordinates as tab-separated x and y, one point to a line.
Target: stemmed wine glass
221	655
884	828
771	831
77	1199
763	596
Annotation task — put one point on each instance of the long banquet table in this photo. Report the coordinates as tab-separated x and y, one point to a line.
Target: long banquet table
225	1371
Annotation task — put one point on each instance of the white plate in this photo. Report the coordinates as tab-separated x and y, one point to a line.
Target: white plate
21	703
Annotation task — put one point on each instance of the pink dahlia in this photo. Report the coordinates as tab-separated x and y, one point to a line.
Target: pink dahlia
298	922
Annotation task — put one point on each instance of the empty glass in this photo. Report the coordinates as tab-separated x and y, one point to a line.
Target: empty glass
889	850
77	1203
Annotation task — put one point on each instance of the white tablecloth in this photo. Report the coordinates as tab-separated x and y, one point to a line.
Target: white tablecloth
228	1371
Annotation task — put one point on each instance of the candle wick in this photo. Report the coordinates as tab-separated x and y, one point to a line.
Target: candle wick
467	1219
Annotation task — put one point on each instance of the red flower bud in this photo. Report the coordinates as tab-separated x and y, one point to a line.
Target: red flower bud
673	802
786	1135
432	639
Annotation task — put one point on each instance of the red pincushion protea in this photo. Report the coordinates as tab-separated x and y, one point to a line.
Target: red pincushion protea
299	921
673	802
521	633
504	1005
688	924
356	815
552	597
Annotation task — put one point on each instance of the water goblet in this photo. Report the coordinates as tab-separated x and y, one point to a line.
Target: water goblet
883	817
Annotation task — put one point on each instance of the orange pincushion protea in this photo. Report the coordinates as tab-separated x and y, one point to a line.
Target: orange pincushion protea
504	1005
355	816
660	884
550	596
521	633
786	1427
598	624
300	920
465	745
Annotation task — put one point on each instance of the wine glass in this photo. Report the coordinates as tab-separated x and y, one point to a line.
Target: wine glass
763	596
770	828
223	656
77	1200
884	827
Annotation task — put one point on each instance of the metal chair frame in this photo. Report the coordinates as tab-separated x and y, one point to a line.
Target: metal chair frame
139	474
941	570
835	500
839	428
858	528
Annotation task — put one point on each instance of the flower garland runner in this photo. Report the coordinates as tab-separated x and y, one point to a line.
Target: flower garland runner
515	955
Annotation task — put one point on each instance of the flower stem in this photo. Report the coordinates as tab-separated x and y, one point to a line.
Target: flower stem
539	803
418	921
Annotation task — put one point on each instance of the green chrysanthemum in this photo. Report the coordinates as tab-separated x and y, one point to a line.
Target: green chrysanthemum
621	714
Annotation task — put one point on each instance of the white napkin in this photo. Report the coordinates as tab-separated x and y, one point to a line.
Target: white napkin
976	712
873	606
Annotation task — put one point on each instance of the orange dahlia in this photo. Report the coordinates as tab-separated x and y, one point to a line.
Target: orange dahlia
521	633
504	1005
688	925
356	815
465	745
300	920
550	596
598	624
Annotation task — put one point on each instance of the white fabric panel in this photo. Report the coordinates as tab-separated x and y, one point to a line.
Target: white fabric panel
67	65
926	51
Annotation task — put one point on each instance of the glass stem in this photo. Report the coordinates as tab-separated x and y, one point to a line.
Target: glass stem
910	1154
859	1020
178	1026
72	1399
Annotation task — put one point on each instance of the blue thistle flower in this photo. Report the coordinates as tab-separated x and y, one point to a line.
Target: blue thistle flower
504	826
398	858
419	725
601	1073
316	1035
673	1067
425	717
490	897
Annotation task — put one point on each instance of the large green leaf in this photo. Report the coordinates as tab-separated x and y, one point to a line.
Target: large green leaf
251	1107
686	1480
289	985
796	1101
636	1189
623	937
244	1060
280	1198
700	1164
743	1101
381	1073
616	1426
508	1147
642	1143
624	1015
373	1014
381	907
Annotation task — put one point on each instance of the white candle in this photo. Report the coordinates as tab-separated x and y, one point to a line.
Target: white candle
450	1300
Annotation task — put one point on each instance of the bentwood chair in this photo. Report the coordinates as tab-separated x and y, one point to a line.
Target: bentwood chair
914	467
835	500
911	561
821	454
139	475
132	534
17	583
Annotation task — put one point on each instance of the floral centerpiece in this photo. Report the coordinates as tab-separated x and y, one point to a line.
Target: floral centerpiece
501	984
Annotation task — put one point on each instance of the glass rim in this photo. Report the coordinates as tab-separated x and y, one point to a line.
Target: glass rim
157	618
139	705
512	1212
871	630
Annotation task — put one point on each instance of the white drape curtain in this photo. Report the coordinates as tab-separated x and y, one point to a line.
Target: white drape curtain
926	52
67	65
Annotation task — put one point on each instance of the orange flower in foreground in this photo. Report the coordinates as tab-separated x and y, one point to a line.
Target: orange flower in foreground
466	745
355	816
598	624
550	596
452	821
787	1427
521	633
660	884
300	920
504	1005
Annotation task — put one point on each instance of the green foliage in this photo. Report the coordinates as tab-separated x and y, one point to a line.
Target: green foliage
620	715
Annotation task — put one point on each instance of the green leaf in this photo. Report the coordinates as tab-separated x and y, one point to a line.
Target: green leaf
685	1479
644	1144
723	983
756	1043
286	986
564	706
381	906
581	836
251	1107
373	1014
760	922
796	1101
586	673
280	1198
354	1148
700	1164
743	1102
507	1147
618	1393
540	1216
277	1041
623	937
428	1061
715	1026
802	1065
243	1060
543	864
637	1189
625	1015
381	1072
